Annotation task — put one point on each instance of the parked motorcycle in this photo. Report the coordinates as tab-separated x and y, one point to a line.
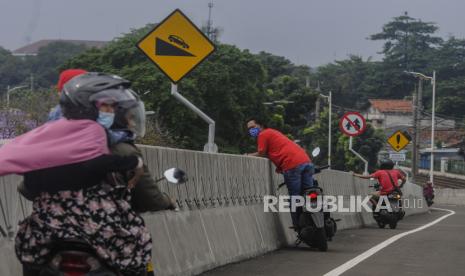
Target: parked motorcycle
76	258
316	228
385	217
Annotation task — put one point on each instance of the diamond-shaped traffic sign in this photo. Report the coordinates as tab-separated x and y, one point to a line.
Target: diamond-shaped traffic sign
176	46
399	140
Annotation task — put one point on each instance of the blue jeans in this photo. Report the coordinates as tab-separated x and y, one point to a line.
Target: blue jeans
297	180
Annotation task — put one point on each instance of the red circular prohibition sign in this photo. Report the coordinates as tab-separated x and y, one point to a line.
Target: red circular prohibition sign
359	131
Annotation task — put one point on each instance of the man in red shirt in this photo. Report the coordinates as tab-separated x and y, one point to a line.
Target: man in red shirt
289	158
387	178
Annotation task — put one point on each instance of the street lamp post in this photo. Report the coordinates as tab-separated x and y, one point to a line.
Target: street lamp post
433	114
8	92
330	99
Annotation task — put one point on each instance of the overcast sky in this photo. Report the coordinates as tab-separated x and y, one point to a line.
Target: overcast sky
311	32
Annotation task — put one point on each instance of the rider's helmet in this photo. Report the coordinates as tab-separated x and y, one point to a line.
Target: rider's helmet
130	114
386	164
82	95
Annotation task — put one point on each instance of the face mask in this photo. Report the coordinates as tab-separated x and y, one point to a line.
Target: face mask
254	131
106	119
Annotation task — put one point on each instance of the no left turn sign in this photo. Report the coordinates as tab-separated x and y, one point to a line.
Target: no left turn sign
352	124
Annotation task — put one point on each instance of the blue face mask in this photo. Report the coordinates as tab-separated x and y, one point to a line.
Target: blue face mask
254	131
106	119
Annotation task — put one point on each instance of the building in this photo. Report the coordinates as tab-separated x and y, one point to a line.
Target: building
444	154
387	114
393	115
33	48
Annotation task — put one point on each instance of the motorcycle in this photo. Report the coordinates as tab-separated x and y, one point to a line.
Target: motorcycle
428	194
72	257
316	228
429	200
388	216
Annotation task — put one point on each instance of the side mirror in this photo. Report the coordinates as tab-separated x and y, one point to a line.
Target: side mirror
175	175
316	151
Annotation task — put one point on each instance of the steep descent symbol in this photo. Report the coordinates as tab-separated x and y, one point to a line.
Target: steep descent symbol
163	48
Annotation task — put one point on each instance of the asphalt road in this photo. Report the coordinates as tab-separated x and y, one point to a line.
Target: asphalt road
436	250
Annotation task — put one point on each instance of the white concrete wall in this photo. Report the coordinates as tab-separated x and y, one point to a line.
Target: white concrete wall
221	218
449	196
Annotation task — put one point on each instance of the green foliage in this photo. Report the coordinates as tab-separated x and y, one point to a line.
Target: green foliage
228	87
409	42
44	67
368	144
232	85
12	70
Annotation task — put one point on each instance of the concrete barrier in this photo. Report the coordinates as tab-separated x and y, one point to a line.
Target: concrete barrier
449	196
221	218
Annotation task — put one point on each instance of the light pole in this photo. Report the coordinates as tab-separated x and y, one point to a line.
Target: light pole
330	99
8	91
433	114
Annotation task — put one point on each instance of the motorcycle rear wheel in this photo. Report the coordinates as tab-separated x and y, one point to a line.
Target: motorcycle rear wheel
393	225
322	240
381	224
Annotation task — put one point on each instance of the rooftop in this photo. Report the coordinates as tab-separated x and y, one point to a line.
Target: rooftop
386	106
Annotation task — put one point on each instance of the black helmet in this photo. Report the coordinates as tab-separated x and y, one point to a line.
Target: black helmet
81	94
386	164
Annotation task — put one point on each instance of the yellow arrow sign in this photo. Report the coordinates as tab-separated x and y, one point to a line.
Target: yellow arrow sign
398	140
176	46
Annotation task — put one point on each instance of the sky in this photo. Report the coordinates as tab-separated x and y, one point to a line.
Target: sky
310	32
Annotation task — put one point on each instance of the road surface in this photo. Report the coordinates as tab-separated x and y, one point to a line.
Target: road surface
436	250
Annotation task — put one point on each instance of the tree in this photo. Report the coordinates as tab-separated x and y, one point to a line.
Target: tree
408	42
368	144
13	70
45	66
228	86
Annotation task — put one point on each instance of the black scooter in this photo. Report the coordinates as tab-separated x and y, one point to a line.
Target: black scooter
77	258
316	228
385	217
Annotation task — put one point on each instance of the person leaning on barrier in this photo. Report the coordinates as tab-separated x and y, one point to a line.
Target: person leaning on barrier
289	158
387	177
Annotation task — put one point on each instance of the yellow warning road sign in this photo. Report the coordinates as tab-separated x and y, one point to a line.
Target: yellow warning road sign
176	46
399	140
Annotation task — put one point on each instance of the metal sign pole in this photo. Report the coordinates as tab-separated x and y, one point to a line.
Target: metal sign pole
329	128
358	155
210	146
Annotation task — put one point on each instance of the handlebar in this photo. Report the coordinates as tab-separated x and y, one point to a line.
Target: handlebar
319	169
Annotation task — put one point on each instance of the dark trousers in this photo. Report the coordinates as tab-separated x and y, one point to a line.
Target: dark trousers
297	180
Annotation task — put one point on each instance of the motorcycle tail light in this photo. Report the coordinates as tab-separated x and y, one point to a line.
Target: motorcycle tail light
313	196
74	264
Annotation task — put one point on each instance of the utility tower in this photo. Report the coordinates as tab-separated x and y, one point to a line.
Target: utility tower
210	31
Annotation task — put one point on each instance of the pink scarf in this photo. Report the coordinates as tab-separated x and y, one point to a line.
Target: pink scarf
56	143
